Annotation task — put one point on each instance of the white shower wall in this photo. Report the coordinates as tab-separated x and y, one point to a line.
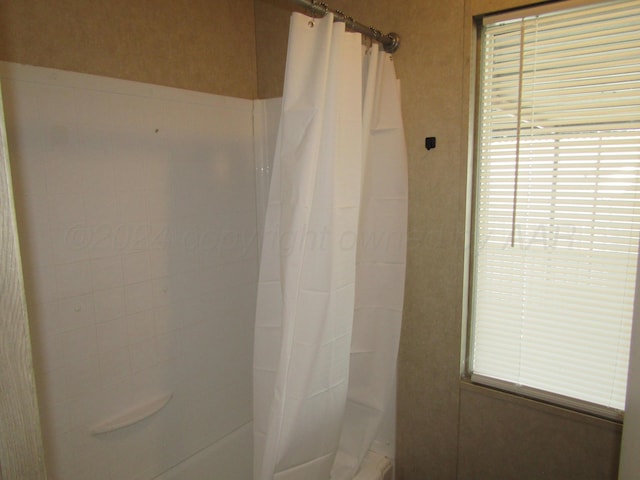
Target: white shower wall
137	220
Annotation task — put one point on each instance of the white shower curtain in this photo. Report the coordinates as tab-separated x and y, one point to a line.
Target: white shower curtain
305	405
380	266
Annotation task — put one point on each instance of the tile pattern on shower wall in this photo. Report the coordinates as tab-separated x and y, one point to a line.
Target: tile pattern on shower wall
137	221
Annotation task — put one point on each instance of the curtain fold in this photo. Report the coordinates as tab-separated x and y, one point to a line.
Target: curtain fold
312	253
380	266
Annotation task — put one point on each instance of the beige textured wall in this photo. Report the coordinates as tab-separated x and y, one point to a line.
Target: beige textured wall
203	45
447	429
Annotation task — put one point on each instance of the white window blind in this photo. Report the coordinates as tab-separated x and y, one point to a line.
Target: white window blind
557	217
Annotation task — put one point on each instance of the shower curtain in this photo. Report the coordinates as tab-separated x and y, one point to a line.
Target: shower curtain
333	258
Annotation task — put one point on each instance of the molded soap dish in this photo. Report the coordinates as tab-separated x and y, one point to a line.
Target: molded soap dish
134	415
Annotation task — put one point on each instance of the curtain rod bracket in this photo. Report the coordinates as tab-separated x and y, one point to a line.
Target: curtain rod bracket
394	44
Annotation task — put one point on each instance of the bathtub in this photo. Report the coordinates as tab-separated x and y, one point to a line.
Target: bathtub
230	459
227	459
375	466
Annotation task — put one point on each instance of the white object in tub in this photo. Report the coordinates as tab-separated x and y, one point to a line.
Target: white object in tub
375	467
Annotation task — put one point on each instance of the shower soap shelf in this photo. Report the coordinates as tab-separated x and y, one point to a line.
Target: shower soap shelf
134	415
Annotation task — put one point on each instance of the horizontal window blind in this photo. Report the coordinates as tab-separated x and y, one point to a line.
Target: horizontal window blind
557	218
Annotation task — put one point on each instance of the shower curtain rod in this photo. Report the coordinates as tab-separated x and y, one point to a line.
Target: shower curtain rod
390	42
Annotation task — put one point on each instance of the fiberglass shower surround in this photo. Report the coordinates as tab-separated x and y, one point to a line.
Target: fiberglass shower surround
137	217
140	226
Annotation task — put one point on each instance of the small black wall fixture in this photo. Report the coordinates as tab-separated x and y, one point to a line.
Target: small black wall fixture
429	143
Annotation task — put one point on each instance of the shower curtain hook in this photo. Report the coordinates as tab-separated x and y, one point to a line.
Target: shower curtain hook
311	12
375	34
313	8
369	45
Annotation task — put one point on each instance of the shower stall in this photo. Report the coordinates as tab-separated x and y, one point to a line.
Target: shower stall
141	212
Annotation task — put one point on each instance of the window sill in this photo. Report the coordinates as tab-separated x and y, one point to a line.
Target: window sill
539	405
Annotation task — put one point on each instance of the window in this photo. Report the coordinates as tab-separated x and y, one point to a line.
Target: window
557	203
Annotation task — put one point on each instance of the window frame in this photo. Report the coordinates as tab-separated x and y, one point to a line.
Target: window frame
473	165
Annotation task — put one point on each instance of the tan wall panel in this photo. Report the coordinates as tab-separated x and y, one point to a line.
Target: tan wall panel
272	33
503	436
203	45
21	451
